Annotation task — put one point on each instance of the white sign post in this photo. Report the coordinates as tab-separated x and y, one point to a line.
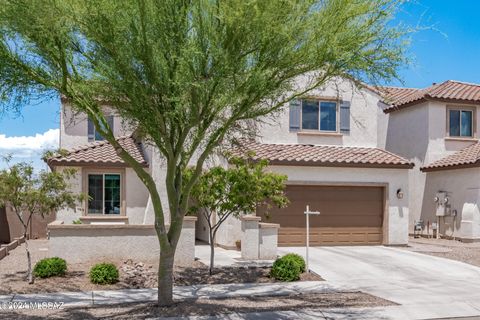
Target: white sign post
307	214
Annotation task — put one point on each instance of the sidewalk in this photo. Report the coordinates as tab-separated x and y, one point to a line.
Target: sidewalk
107	297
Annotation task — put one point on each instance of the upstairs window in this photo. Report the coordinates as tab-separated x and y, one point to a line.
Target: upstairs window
319	115
93	134
460	122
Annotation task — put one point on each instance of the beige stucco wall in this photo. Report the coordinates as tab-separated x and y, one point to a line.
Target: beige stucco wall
68	215
419	133
136	198
97	243
366	119
74	127
463	187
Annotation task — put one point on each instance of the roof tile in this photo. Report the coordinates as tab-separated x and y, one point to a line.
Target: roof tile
469	156
100	153
450	90
321	155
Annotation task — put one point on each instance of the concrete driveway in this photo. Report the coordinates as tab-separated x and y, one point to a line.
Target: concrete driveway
432	286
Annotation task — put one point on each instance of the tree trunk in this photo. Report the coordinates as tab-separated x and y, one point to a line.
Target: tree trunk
165	277
29	261
212	252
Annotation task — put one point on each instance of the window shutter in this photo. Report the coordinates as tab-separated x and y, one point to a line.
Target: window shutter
295	109
91	131
110	122
345	117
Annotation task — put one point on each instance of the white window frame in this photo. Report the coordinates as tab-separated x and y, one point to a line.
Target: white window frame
319	101
460	109
103	193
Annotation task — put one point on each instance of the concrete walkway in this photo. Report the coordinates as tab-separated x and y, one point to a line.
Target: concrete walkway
108	297
424	286
226	258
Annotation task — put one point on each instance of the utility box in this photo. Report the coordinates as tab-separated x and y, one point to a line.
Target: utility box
442	201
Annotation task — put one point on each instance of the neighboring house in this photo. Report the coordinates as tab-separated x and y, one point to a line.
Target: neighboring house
437	128
330	144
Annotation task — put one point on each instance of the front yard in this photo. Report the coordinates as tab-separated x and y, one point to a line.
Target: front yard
133	274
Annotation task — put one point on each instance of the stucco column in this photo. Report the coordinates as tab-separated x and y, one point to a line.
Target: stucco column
185	253
470	224
250	237
268	241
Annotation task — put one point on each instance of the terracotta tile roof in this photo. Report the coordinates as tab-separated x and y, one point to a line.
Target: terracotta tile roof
314	155
100	153
448	90
467	157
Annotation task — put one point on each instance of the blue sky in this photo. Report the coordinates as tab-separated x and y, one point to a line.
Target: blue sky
448	48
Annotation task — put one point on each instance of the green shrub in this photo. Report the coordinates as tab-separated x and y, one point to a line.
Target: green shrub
78	221
286	268
50	267
104	273
298	259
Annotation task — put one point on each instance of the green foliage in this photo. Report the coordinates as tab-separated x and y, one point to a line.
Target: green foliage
238	189
78	221
37	193
50	267
298	259
104	273
286	268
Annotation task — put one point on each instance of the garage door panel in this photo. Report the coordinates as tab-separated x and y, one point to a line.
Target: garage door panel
349	215
330	236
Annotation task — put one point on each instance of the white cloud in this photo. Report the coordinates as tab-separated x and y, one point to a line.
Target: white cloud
29	148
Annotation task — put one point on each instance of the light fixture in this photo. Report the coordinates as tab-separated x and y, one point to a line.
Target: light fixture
399	194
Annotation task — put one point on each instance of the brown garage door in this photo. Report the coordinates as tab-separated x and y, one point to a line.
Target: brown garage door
348	215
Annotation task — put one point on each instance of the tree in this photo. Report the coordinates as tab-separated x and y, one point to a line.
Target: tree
235	191
29	194
188	75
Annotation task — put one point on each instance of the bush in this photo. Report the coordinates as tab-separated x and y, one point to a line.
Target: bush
50	267
78	221
104	273
298	259
286	268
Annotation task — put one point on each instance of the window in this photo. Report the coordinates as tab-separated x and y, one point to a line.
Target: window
93	135
460	123
319	115
104	193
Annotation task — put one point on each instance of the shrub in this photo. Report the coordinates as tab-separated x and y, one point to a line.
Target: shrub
78	221
50	267
298	259
286	268
104	273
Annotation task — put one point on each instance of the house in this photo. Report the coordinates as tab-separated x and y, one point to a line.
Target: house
437	128
330	143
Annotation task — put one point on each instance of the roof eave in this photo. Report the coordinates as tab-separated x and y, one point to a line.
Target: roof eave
62	163
340	164
451	167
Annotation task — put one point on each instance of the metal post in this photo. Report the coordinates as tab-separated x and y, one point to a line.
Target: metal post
308	213
308	238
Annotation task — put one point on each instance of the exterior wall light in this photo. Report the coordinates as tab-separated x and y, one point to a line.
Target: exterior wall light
399	194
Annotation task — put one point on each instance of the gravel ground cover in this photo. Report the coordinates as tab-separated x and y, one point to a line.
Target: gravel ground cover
450	249
133	274
207	307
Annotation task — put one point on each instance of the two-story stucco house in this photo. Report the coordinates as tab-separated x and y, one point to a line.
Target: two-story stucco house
330	144
437	128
